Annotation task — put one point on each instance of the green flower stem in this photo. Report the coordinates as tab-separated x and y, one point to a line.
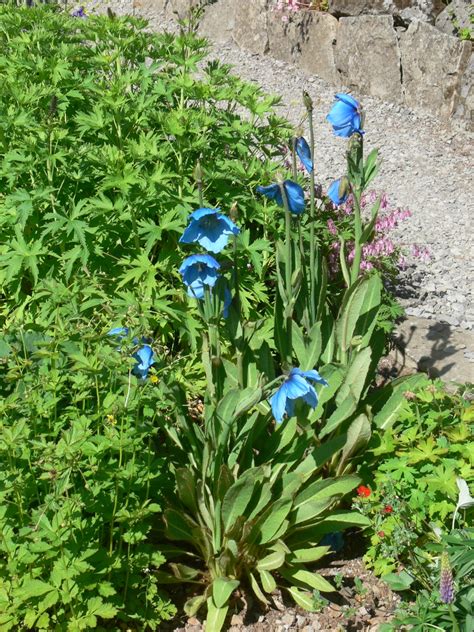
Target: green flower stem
293	158
288	277
313	244
357	235
453	619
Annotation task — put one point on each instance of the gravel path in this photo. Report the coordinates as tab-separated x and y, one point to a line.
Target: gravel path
426	167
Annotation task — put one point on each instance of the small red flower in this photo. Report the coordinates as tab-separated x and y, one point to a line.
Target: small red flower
388	509
363	491
381	534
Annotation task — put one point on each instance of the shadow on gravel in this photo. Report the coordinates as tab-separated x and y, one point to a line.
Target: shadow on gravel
439	337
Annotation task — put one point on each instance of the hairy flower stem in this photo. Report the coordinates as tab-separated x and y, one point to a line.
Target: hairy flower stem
288	276
293	158
313	244
357	235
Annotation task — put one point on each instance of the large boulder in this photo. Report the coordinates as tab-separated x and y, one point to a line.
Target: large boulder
284	36
434	65
455	17
318	34
251	25
368	56
404	10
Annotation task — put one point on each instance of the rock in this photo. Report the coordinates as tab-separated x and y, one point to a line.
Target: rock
317	44
454	17
433	67
251	25
284	37
465	101
368	56
218	21
236	620
404	10
288	618
146	6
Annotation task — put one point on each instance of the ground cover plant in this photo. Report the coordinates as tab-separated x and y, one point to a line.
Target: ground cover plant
187	370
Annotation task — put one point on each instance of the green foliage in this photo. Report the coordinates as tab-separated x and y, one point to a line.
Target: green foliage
412	468
427	611
101	126
80	483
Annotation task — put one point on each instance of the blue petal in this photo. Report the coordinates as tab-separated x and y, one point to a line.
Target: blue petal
213	243
311	397
230	226
278	403
196	289
192	260
118	331
272	192
296	386
333	193
190	234
348	99
295	195
203	212
314	375
290	407
304	153
144	358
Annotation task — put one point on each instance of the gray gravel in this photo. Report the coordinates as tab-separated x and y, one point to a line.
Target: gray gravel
426	167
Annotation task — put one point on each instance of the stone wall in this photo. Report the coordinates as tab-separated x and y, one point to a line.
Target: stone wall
390	49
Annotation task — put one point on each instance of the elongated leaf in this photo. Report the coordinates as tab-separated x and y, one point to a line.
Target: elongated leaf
303	556
193	604
236	500
268	581
312	580
178	527
343	412
272	561
266	528
257	590
325	488
302	598
355	377
311	509
320	456
186	484
358	436
215	616
222	589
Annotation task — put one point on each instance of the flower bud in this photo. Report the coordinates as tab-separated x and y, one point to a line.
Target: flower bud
198	173
308	101
446	584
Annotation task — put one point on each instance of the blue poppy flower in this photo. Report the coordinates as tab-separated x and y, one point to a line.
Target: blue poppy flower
210	229
198	271
294	195
304	153
296	386
144	358
338	192
345	116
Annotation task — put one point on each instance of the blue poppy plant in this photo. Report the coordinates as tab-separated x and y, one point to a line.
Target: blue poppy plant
210	229
338	192
294	195
296	386
345	116
304	153
198	271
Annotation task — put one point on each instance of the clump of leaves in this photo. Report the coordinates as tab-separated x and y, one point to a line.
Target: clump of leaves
101	127
80	482
412	470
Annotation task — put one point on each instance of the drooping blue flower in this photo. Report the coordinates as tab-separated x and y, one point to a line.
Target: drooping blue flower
198	271
294	195
144	358
337	194
296	386
209	228
304	153
345	116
